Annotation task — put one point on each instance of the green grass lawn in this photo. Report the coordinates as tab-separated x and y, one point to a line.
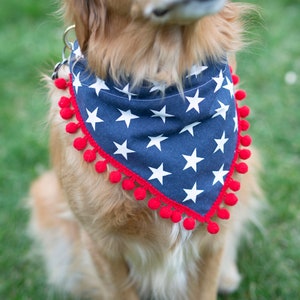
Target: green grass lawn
30	43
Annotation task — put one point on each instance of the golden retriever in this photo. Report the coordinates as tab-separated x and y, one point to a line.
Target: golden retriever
97	240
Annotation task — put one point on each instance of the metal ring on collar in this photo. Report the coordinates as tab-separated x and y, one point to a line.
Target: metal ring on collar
66	40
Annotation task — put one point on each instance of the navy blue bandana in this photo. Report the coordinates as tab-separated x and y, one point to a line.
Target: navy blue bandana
178	152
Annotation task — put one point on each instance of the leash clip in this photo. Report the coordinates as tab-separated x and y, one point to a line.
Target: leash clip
57	68
68	45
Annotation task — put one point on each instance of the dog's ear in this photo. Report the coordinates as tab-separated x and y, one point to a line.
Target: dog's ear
87	15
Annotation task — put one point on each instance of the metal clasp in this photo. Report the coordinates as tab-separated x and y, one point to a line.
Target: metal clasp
68	45
66	39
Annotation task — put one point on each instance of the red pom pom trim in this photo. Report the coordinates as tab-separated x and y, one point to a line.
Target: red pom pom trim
115	176
241	168
66	113
213	228
245	154
61	83
240	95
176	217
64	102
189	223
89	156
224	214
101	166
244	111
140	193
246	140
80	143
245	125
72	127
235	79
154	203
128	184
231	199
235	185
165	212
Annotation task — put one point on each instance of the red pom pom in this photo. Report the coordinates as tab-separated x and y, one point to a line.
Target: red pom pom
176	217
128	184
244	111
115	176
240	95
223	214
72	127
66	113
166	212
140	193
213	228
234	185
189	223
64	102
154	203
245	125
89	155
101	166
61	83
80	143
246	140
245	154
231	199
241	168
235	79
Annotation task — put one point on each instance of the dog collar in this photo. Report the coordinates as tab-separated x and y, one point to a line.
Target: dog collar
177	152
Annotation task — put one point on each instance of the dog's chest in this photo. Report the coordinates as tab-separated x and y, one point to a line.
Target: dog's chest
164	270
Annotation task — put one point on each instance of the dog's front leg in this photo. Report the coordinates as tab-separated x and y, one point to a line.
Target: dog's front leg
205	285
113	275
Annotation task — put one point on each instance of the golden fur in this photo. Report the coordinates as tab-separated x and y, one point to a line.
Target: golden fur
98	241
161	52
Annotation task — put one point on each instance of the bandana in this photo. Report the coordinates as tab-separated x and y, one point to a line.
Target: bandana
178	152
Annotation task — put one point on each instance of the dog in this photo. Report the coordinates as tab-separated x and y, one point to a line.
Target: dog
105	228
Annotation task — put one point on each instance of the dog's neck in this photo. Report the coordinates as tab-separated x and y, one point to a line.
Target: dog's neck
124	47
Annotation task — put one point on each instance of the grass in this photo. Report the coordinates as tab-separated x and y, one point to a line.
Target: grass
30	40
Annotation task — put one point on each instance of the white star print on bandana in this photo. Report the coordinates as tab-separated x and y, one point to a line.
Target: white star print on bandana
181	152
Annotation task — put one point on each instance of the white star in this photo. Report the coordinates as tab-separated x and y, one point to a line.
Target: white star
221	111
219	175
93	119
159	173
190	128
194	102
78	53
126	91
235	120
196	70
155	141
219	80
161	114
220	143
192	193
126	116
122	149
76	82
229	86
192	160
98	86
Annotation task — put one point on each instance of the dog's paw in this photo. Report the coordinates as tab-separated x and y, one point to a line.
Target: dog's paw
229	280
